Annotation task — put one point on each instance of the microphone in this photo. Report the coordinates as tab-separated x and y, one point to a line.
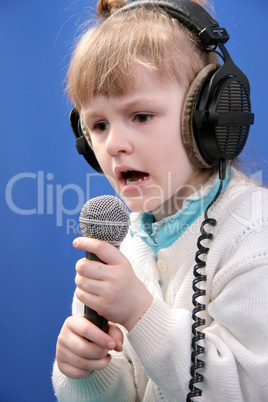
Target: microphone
104	218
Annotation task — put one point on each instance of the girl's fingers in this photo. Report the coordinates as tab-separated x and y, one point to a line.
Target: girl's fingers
76	367
82	363
77	356
93	269
116	333
71	371
105	251
81	326
83	348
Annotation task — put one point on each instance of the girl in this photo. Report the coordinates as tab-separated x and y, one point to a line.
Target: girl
130	78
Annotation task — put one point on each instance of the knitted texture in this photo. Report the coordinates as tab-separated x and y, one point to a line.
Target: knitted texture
155	363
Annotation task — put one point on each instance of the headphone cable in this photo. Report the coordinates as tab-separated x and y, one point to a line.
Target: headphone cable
197	349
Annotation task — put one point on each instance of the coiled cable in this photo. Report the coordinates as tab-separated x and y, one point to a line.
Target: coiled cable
199	277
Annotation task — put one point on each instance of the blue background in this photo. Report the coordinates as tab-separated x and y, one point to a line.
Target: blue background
44	182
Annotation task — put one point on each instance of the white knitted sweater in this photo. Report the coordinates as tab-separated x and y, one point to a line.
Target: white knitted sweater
155	363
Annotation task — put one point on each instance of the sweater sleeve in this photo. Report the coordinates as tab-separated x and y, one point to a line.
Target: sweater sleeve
236	343
111	384
162	342
114	383
236	332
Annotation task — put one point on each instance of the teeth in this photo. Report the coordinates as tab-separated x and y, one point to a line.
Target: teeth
131	182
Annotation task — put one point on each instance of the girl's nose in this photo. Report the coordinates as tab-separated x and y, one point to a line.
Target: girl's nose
118	140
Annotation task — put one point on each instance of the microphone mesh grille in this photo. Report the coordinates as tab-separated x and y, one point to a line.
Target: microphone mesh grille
105	218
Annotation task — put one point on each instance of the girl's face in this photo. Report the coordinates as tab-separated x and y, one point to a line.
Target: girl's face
138	143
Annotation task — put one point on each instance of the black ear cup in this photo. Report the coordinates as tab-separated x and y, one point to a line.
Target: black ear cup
188	133
217	115
82	145
222	117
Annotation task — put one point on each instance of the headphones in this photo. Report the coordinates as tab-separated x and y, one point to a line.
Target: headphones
217	110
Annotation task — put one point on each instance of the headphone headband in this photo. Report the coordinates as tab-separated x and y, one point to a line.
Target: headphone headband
190	14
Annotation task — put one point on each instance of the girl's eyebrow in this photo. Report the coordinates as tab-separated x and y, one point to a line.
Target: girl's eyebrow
139	102
91	114
136	102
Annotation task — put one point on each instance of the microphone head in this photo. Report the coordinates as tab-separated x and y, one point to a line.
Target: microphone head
105	218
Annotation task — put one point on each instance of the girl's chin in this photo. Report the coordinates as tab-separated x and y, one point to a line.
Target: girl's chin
160	210
143	206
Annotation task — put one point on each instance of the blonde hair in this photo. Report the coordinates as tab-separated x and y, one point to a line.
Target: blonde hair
103	60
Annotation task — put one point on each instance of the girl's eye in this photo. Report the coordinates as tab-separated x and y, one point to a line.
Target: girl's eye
142	117
101	126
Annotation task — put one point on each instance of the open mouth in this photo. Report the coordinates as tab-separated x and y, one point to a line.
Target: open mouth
132	177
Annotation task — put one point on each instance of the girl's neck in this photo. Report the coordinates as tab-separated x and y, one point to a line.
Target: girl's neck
174	203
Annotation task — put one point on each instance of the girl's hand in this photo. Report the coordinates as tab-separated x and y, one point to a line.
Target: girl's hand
110	287
82	347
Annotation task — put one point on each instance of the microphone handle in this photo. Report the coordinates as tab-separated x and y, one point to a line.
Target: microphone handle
90	314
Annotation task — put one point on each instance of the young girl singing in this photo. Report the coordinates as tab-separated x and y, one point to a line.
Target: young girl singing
131	79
